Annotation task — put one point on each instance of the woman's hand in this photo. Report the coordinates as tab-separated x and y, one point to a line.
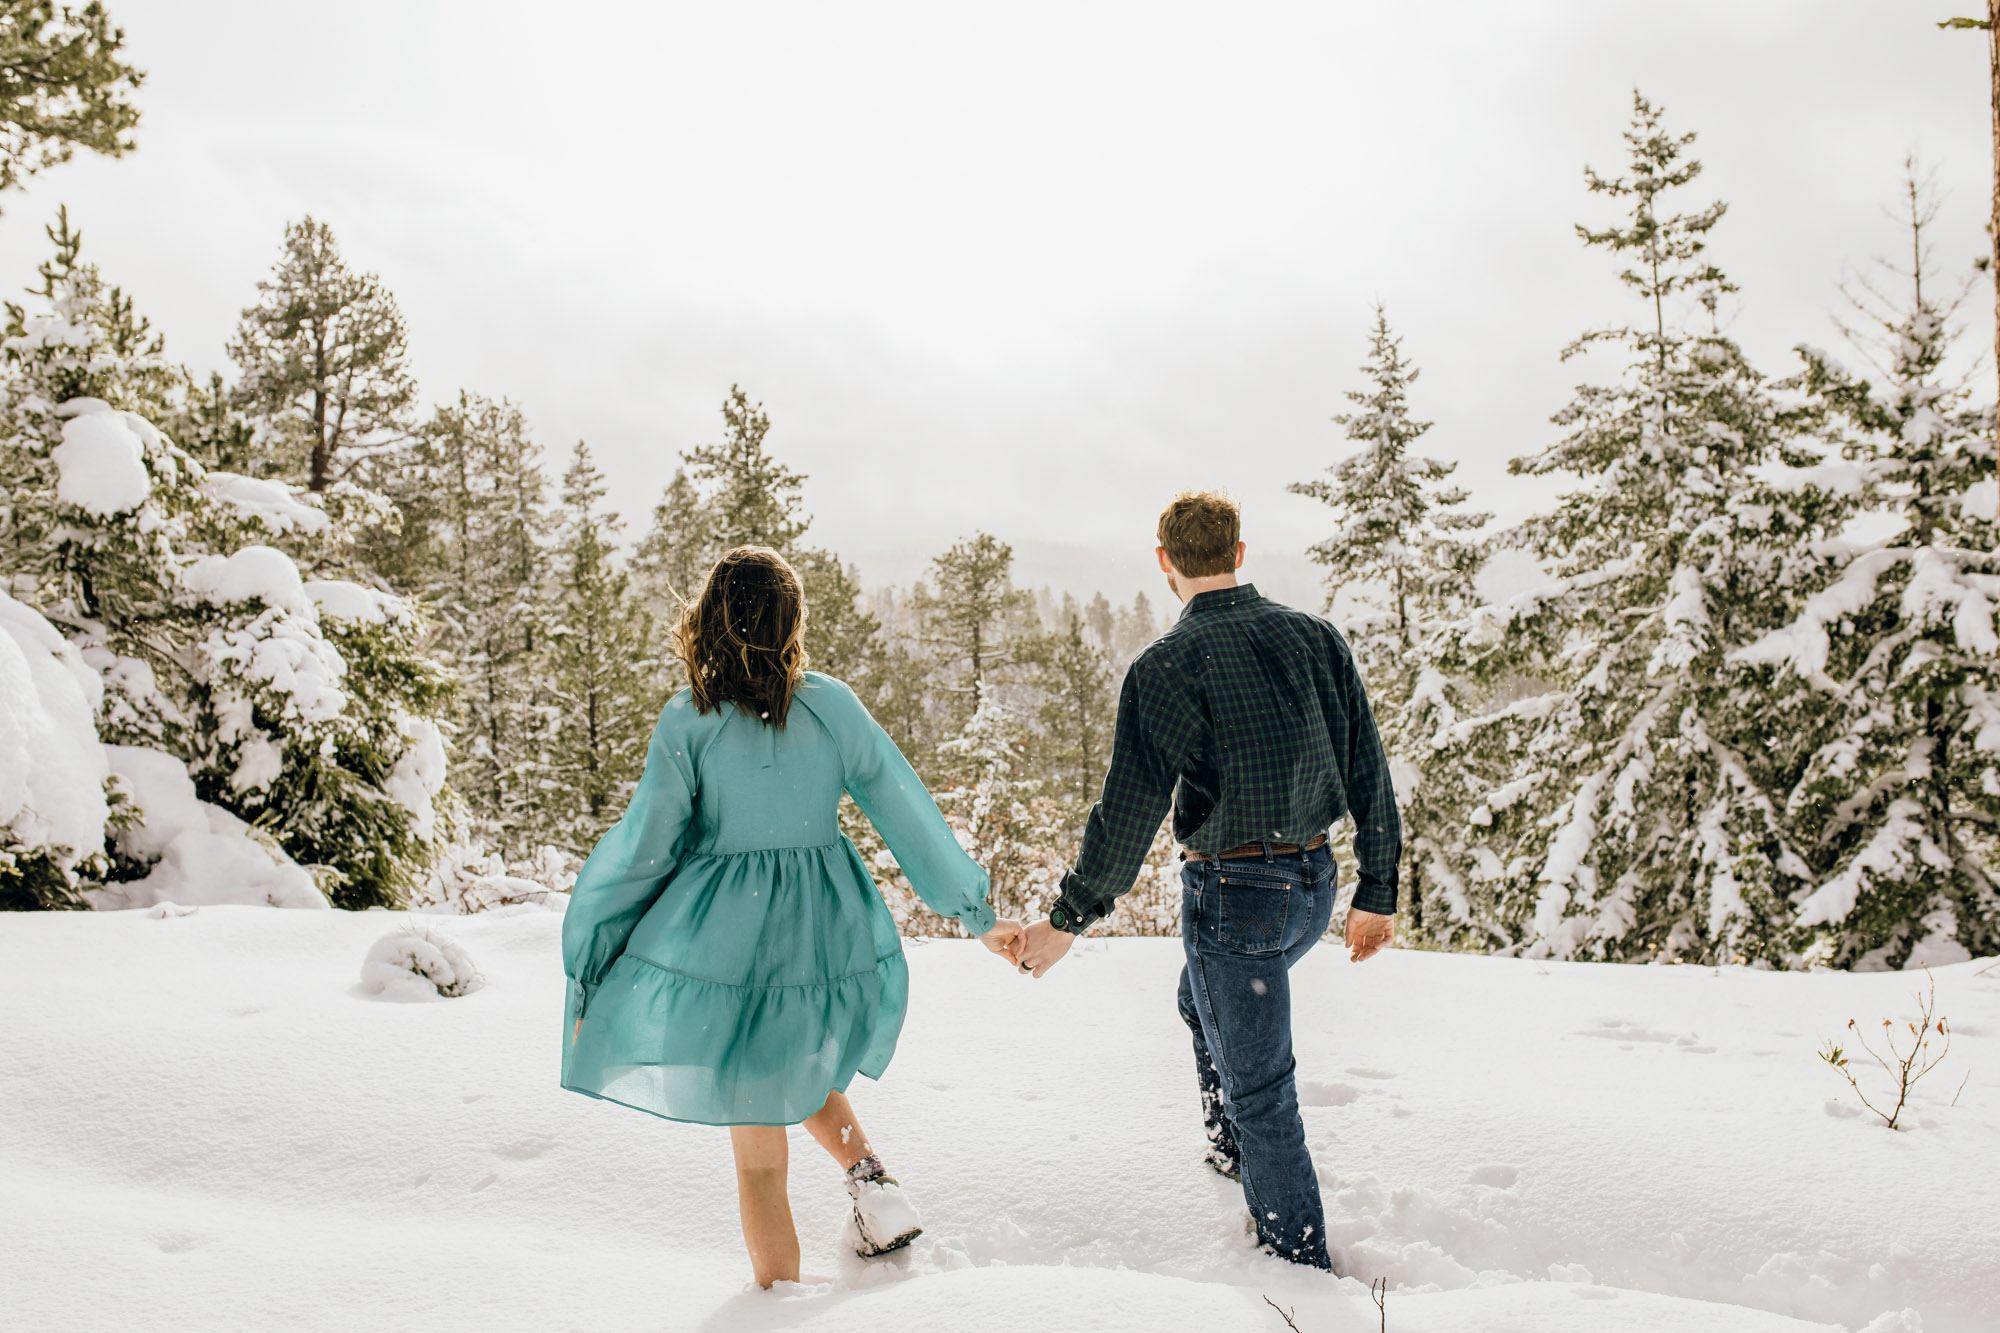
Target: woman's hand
1004	939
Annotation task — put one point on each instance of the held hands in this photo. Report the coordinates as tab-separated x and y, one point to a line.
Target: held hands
1005	939
1042	947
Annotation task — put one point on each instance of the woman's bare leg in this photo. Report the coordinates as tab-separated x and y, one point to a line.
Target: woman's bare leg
837	1131
762	1158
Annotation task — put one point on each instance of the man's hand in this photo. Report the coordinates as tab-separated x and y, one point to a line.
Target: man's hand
1042	947
1005	939
1368	933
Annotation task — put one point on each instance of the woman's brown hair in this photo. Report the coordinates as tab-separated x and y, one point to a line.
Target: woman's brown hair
742	639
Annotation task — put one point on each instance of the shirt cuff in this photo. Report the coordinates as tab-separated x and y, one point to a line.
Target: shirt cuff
1377	898
977	919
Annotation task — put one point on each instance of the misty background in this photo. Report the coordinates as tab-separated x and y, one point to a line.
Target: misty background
1026	268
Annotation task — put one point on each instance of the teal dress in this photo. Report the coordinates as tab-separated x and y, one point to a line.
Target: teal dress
729	955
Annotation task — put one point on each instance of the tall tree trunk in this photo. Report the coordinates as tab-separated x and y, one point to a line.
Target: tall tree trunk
1993	69
322	460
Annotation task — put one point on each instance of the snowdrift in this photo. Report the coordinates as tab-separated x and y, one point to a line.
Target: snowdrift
208	1123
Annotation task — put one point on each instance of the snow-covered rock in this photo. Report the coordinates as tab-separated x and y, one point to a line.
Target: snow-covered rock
419	965
202	853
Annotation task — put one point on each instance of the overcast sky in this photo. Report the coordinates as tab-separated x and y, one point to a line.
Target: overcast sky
1027	267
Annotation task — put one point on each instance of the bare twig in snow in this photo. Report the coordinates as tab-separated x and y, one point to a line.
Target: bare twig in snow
1961	1087
1904	1068
1283	1314
1379	1289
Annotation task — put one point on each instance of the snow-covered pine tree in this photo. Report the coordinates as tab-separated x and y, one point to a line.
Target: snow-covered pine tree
1000	813
314	715
1400	530
68	88
325	362
752	498
209	644
210	425
602	676
1401	548
969	618
1134	627
734	493
1076	714
674	556
1886	685
843	638
1607	809
96	505
480	528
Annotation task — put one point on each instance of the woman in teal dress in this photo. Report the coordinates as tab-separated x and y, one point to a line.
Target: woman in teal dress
730	960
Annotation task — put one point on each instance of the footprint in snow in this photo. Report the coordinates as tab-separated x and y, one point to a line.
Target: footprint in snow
482	1183
1622	1029
521	1150
1371	1073
1499	1177
1326	1094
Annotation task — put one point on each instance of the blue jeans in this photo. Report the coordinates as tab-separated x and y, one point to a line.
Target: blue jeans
1244	923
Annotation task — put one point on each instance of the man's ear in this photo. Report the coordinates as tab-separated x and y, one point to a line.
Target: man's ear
1240	548
1166	565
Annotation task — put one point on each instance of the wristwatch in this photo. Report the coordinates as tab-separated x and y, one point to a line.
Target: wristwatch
1063	919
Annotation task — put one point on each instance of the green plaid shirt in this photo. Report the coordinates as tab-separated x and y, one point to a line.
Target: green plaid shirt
1249	719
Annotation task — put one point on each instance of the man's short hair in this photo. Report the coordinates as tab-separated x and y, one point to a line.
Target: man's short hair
1199	530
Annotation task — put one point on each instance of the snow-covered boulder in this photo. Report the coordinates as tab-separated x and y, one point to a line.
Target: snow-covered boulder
52	769
202	854
418	965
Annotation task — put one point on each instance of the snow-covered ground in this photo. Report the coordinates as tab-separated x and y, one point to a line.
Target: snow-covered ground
207	1122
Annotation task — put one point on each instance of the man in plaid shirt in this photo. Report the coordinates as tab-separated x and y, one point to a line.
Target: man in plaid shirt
1249	719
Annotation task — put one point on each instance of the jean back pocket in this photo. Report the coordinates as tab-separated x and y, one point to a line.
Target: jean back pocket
1254	909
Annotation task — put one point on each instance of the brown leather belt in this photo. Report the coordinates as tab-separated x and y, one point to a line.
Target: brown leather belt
1256	849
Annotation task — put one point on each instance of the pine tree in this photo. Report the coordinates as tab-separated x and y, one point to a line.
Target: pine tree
325	360
1589	789
96	514
1102	621
1076	713
999	812
842	637
1398	528
1886	685
603	695
63	86
208	423
674	556
970	622
301	707
483	530
1134	627
752	499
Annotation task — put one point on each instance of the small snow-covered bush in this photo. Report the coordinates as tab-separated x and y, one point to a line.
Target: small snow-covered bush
465	879
418	965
